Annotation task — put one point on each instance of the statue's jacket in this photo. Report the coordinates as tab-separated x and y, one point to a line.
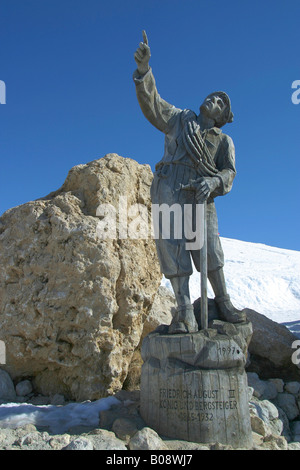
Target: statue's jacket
175	169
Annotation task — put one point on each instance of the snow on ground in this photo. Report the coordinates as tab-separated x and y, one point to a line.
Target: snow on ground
260	277
58	418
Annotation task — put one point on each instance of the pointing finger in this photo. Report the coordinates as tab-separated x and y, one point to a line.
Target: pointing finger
145	37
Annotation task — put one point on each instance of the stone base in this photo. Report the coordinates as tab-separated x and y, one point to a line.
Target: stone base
194	386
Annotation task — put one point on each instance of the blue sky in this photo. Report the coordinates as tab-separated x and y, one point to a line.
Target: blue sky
70	97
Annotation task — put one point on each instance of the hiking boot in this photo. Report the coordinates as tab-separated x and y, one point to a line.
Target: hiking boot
184	321
227	312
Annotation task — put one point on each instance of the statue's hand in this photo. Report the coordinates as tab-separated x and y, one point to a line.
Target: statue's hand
204	187
142	55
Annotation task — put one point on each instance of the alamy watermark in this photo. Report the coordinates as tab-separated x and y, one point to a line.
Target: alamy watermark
296	354
2	352
2	92
164	221
296	94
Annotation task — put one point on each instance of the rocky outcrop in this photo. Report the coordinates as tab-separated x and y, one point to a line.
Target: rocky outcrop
73	305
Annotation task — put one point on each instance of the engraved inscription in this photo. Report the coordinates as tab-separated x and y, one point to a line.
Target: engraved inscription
228	351
197	405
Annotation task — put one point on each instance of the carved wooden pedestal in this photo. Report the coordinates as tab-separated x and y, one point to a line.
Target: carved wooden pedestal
194	386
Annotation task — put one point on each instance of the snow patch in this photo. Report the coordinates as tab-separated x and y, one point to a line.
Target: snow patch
58	418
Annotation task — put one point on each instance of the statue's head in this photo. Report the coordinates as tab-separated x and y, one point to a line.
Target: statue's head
217	106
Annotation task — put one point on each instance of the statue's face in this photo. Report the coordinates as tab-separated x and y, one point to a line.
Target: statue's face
213	107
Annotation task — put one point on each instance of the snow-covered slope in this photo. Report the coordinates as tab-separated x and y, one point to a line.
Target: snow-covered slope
260	277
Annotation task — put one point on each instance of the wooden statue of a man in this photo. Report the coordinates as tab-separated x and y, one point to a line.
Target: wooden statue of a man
196	150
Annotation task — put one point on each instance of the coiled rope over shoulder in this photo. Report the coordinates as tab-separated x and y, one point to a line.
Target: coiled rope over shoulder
196	147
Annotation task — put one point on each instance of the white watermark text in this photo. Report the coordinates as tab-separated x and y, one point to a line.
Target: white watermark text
296	94
296	354
165	222
2	92
2	352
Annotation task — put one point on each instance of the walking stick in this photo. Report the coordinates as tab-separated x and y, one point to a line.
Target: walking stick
203	259
203	270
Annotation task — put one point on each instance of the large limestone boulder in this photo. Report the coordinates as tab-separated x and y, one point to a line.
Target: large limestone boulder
271	349
72	305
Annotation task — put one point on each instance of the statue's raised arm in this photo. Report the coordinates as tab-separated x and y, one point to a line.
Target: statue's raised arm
155	109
